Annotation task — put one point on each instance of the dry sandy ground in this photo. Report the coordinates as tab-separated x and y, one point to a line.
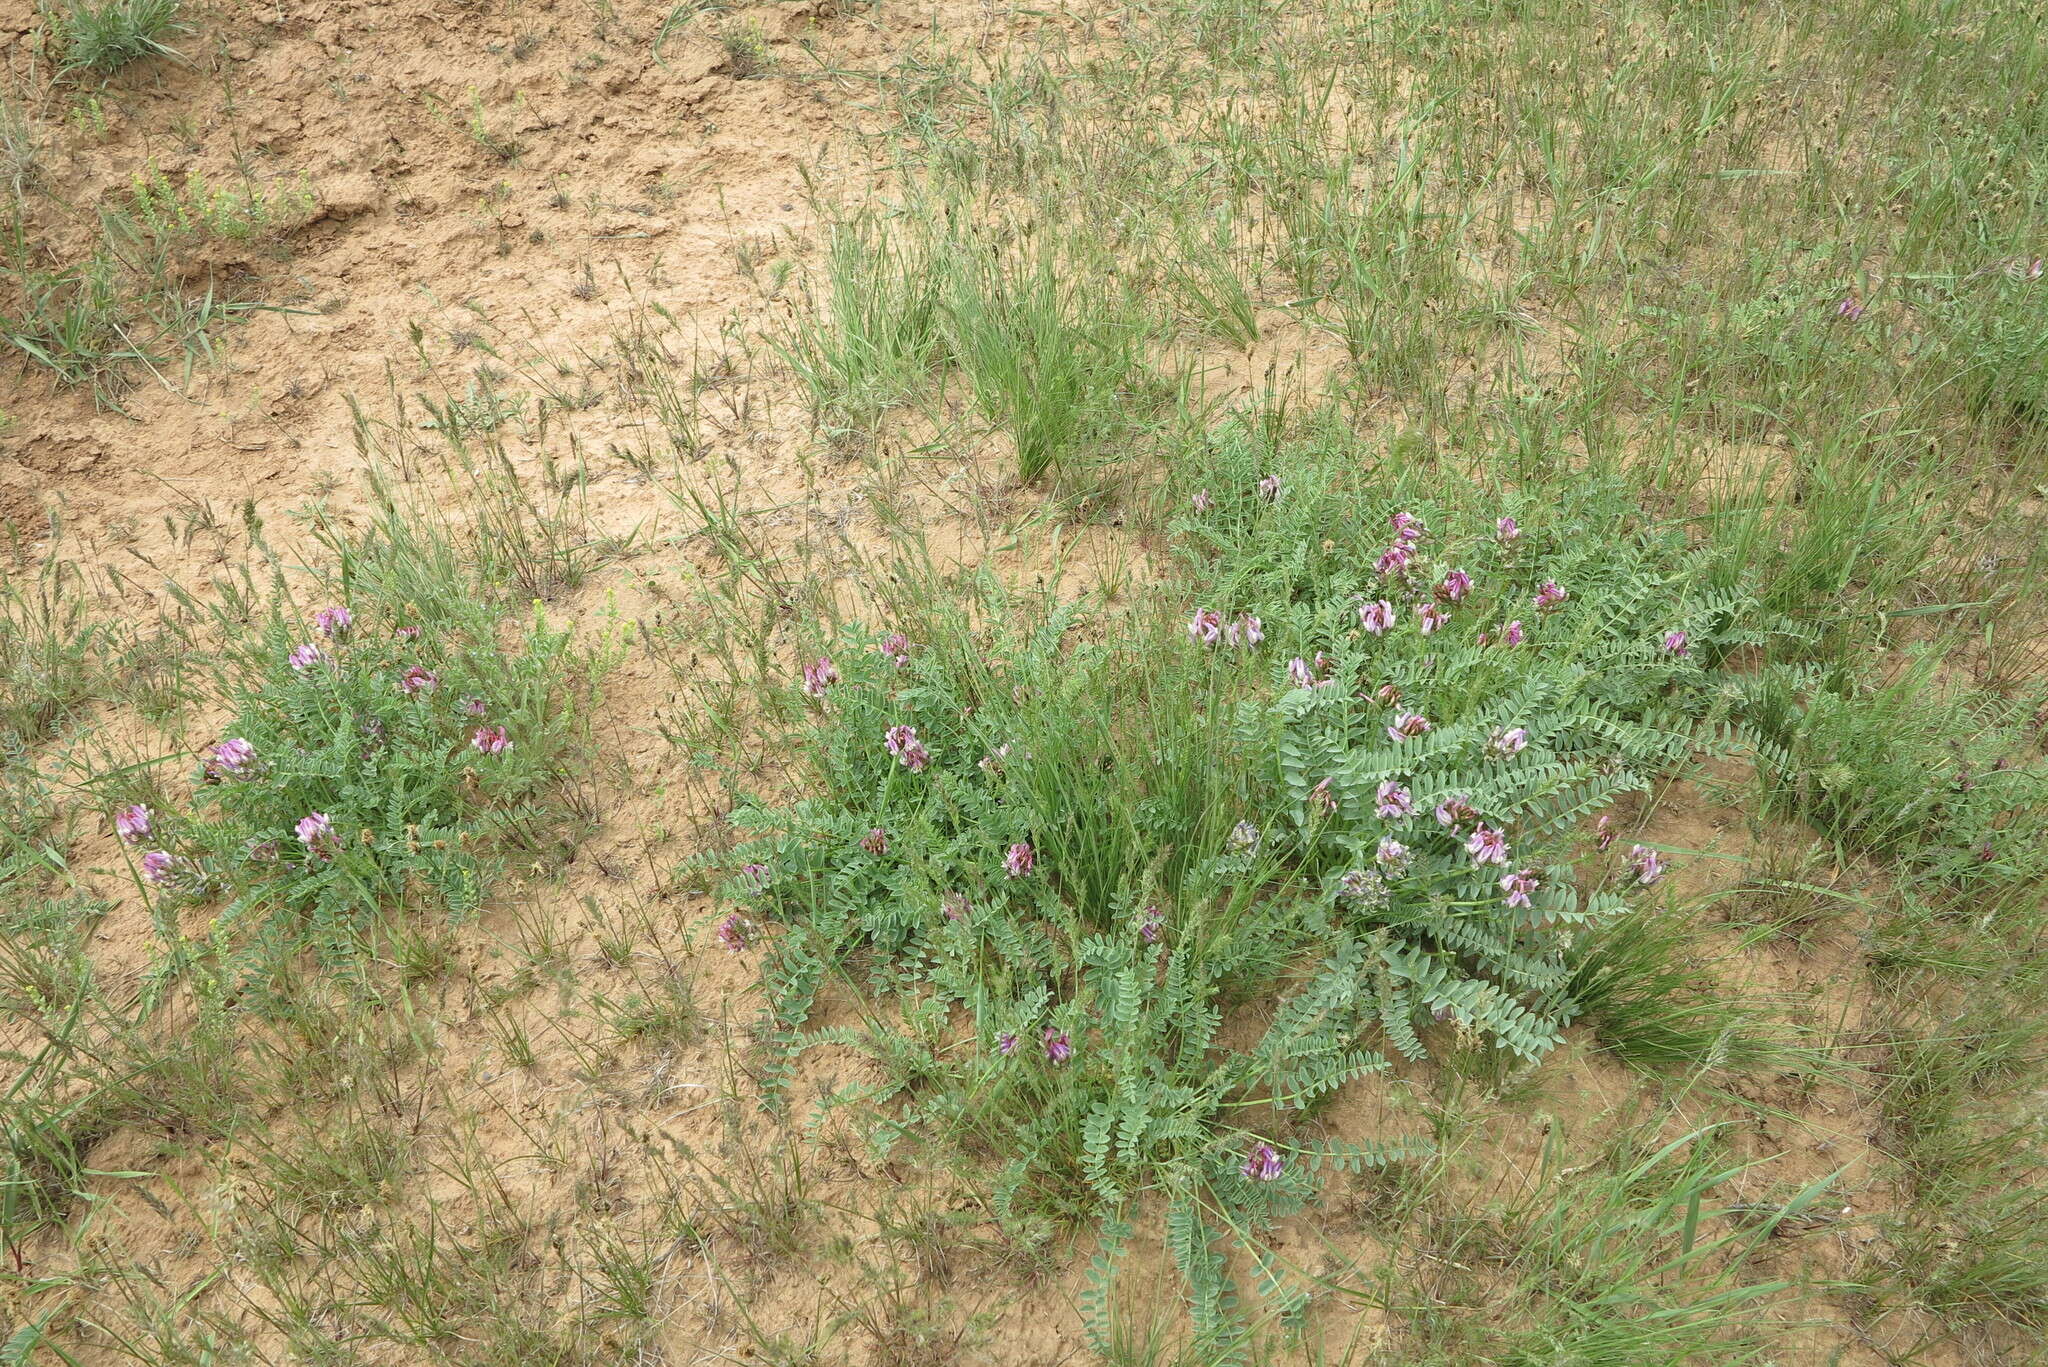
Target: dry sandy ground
648	211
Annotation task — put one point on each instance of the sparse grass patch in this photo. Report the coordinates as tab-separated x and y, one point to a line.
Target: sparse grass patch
105	35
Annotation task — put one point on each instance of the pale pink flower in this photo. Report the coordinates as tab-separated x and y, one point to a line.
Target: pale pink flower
1677	643
1203	503
1549	597
1299	674
1512	741
1006	1043
1247	630
1394	559
992	763
1455	586
902	742
157	866
1206	626
1269	488
1603	832
491	740
475	707
1393	801
1487	845
305	657
1387	694
1513	634
876	842
1507	531
1454	812
1392	856
1519	885
1431	616
732	933
1020	860
1058	1048
417	680
1321	798
896	647
819	675
406	633
1151	925
1376	617
316	833
333	623
234	757
955	905
1647	864
132	823
1407	726
1849	307
754	879
1407	527
1263	1164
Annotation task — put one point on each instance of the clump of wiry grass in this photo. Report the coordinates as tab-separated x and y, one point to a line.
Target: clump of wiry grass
105	35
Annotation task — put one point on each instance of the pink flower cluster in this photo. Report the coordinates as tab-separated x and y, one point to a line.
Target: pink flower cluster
902	742
1209	627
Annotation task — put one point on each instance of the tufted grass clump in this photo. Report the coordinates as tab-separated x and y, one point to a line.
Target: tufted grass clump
105	35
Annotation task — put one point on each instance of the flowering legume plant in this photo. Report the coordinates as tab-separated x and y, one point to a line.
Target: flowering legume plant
372	766
1348	789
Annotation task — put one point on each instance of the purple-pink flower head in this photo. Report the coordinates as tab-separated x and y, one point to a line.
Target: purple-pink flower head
896	647
305	657
1507	531
732	933
1206	626
1394	559
1487	846
157	866
1247	631
1511	741
1020	860
1376	617
819	675
1454	812
1431	616
1202	501
475	707
1321	799
1387	694
1849	307
315	831
1263	1164
1647	864
1392	855
333	623
490	740
132	823
1677	643
955	905
754	879
1407	726
1513	633
1407	527
1549	597
1299	674
876	842
406	633
1269	488
1603	832
1006	1043
1455	586
902	742
234	757
1518	885
1151	925
1058	1048
417	680
1393	802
